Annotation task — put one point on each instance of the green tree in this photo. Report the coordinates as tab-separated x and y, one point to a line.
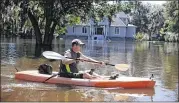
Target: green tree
46	15
156	19
103	8
171	16
9	19
55	13
139	17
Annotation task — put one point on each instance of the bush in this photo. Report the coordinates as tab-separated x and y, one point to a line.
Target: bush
171	37
141	36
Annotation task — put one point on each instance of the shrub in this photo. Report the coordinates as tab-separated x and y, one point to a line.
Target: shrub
171	37
139	36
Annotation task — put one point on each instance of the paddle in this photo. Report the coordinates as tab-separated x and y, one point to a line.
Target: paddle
57	56
50	77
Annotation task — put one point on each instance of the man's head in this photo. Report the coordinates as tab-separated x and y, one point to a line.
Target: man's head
76	45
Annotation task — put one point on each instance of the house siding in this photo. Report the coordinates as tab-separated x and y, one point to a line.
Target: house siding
70	30
78	30
131	31
122	31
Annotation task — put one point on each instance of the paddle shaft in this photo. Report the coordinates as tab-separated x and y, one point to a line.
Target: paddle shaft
51	55
91	61
50	77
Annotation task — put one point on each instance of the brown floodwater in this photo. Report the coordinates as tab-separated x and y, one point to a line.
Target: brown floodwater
145	58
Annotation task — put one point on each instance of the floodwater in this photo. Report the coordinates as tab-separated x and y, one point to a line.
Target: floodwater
145	58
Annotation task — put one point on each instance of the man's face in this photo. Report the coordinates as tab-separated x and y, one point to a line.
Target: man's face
76	48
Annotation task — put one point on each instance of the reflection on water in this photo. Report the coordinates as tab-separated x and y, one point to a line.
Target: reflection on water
35	92
144	58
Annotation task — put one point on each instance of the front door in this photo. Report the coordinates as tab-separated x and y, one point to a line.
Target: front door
99	35
99	31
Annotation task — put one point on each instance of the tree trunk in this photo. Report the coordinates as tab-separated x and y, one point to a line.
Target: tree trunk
48	37
47	31
38	50
51	33
36	28
150	33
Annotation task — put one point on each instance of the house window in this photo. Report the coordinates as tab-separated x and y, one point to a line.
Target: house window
84	30
73	29
117	30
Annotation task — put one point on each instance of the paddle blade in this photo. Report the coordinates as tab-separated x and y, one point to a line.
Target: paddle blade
52	55
122	67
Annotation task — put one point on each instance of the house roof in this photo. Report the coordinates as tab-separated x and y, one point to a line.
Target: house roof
117	22
122	15
132	25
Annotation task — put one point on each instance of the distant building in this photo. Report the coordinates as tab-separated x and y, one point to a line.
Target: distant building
119	28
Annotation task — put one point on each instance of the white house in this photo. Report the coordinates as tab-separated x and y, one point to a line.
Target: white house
119	28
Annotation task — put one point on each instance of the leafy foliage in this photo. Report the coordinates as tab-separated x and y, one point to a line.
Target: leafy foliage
139	36
171	16
140	18
156	19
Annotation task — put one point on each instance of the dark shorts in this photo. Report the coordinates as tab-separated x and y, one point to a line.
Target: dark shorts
71	75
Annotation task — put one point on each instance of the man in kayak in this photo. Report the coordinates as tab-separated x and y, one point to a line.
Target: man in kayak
68	67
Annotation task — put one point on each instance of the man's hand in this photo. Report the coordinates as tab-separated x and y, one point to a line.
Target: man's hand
81	60
103	63
100	64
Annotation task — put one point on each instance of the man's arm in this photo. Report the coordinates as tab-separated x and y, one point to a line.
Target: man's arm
68	61
87	58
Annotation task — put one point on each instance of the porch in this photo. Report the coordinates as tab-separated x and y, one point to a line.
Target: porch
98	32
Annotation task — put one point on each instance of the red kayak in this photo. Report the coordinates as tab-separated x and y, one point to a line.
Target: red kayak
123	82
